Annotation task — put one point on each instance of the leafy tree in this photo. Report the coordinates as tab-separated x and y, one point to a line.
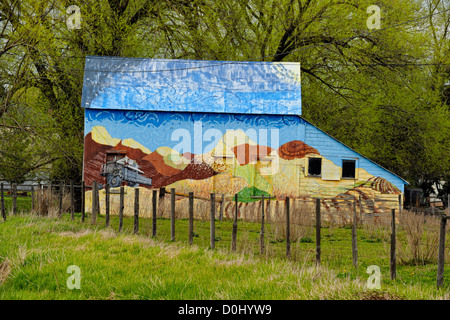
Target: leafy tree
384	92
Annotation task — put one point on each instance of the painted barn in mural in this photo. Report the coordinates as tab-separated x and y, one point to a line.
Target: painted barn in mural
218	126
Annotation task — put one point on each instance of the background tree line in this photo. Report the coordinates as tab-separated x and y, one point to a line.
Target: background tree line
384	93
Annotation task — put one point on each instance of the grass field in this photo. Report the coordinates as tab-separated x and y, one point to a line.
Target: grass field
35	253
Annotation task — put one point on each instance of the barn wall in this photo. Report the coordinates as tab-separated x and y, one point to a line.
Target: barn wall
231	153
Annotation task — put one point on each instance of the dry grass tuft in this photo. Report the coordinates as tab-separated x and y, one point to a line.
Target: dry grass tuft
301	221
47	203
77	235
5	270
421	238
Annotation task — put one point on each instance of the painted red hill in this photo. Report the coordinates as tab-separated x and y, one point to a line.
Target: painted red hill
95	157
158	162
246	153
194	171
295	149
132	153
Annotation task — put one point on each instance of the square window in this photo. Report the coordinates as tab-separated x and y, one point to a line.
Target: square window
348	168
315	167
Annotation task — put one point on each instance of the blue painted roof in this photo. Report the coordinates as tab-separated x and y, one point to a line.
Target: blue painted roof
192	85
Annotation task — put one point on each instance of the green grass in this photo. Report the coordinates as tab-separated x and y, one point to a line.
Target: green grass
23	204
36	252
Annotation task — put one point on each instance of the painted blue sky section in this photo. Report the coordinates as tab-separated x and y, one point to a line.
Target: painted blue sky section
192	86
155	129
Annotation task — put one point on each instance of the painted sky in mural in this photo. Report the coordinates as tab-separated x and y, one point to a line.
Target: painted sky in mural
155	129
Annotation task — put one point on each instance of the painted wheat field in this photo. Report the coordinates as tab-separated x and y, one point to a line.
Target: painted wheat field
36	252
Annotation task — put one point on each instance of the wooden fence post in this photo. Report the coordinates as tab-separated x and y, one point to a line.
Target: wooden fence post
318	226
354	239
107	204
212	227
3	203
60	208
172	214
191	217
441	257
14	198
222	205
288	228
136	211
83	200
400	205
154	199
393	245
94	203
72	201
262	248
235	225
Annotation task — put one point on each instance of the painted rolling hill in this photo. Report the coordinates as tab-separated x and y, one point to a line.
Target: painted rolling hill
164	165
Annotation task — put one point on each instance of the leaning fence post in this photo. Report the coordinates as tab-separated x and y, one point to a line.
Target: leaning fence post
121	206
172	214
288	228
107	200
262	248
354	239
72	201
136	211
393	245
318	226
441	257
83	200
3	203
212	227
94	203
235	225
154	199
191	217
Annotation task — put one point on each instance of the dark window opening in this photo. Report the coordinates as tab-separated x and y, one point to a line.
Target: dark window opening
348	168
315	167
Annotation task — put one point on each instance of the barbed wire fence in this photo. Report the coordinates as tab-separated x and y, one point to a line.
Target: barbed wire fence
269	221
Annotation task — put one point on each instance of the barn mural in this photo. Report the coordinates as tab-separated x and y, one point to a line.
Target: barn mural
223	127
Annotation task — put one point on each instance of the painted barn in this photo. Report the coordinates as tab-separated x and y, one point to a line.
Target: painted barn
218	126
